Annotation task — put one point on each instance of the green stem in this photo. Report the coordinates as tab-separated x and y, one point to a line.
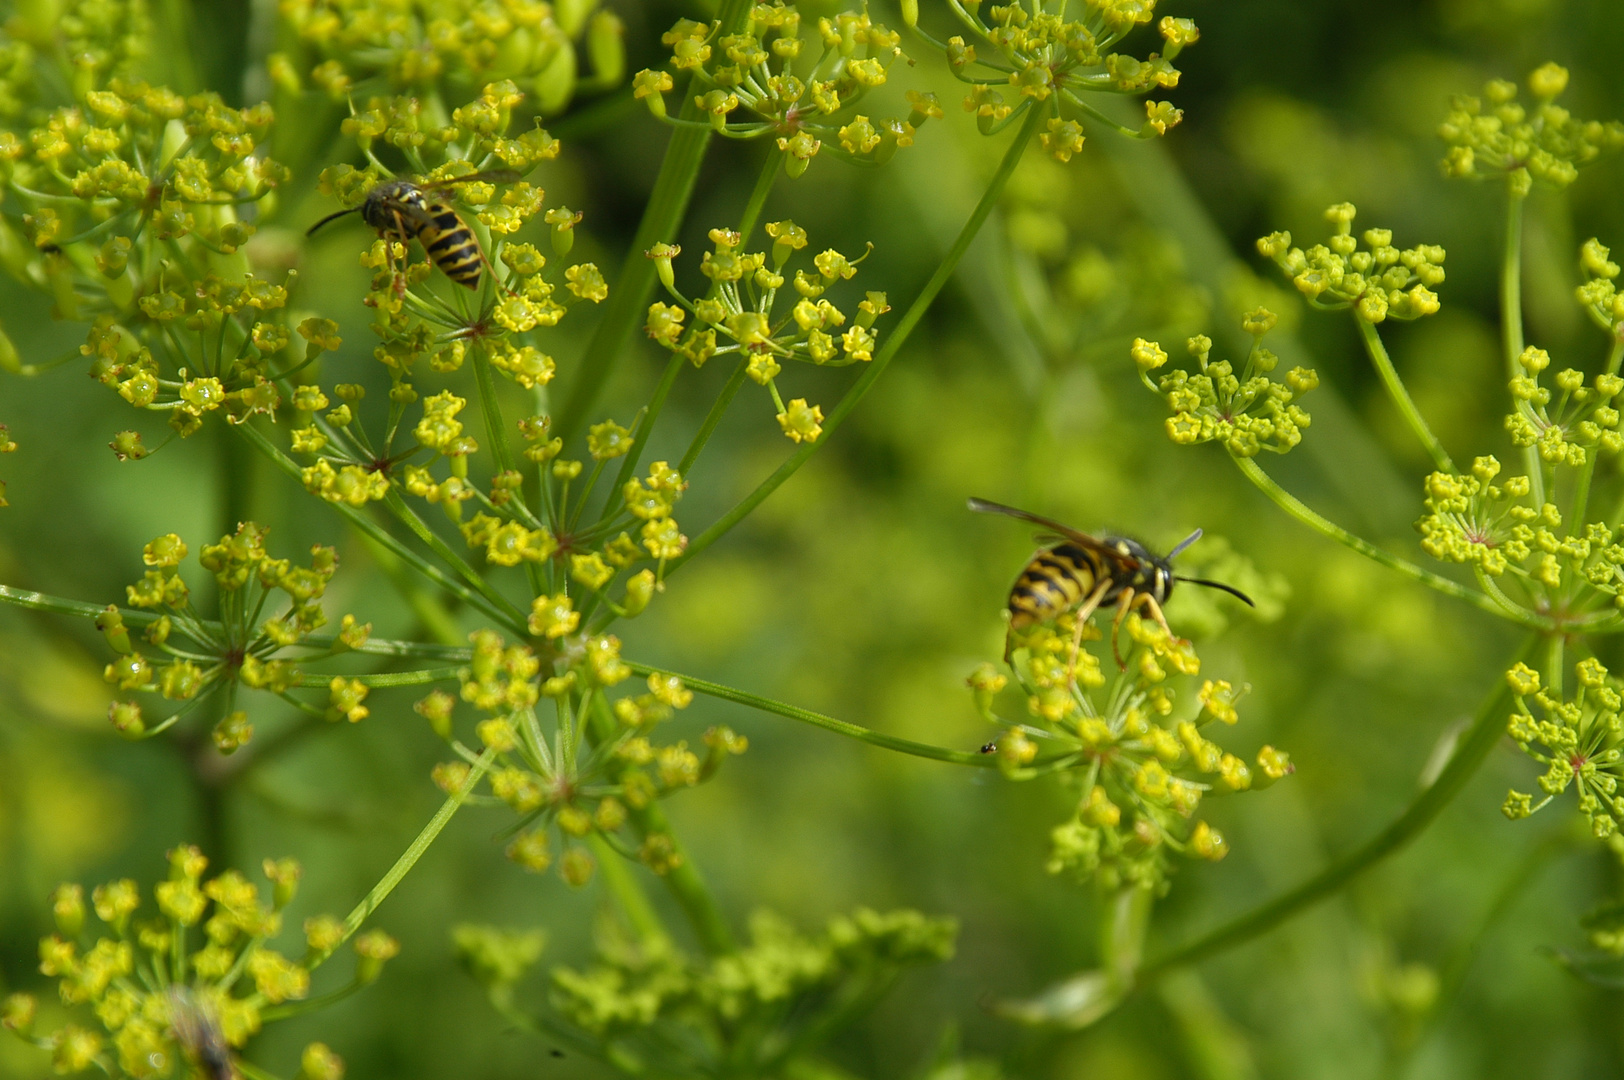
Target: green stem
729	390
758	196
393	678
1511	324
612	503
56	605
1401	396
828	723
378	533
1581	495
634	902
507	613
1290	504
887	351
440	623
1475	744
496	432
408	859
667	205
683	877
1453	975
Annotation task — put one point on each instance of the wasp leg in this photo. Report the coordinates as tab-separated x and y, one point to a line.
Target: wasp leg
1087	609
389	248
1127	603
1155	610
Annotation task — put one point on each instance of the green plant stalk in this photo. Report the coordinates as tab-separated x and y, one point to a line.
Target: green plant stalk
408	859
1401	396
1511	323
56	605
730	389
440	624
747	224
1453	975
378	533
683	879
1487	729
612	502
828	723
393	678
1581	494
496	432
1291	505
667	204
408	517
887	351
633	901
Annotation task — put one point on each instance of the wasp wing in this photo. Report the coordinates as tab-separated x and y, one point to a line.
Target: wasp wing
1058	531
486	176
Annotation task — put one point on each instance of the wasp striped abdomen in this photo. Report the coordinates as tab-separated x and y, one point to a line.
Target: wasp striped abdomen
1054	582
451	245
399	211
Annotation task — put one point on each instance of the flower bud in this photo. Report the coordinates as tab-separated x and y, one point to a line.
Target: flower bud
436	709
606	47
319	1063
372	949
68	908
111	623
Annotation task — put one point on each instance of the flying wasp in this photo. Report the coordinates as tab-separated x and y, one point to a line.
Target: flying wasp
404	209
1084	573
197	1031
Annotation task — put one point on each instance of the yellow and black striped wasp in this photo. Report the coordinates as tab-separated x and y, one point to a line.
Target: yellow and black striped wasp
1080	572
197	1032
403	210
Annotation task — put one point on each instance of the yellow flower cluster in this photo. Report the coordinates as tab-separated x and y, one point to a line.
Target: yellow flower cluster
1140	773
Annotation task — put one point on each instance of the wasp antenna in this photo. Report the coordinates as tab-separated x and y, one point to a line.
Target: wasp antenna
1186	542
331	217
1230	589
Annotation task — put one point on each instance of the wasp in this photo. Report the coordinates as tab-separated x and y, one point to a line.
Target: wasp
1080	572
197	1030
404	209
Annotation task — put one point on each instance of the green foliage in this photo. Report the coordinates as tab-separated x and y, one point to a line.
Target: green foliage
154	213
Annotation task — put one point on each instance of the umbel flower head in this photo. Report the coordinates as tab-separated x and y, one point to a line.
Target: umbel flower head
1050	54
1376	282
1246	413
246	647
1577	740
1599	295
1140	773
1497	136
738	316
732	1013
349	47
161	993
135	202
597	768
758	84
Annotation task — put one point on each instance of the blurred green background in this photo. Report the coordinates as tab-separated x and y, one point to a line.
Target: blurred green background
865	590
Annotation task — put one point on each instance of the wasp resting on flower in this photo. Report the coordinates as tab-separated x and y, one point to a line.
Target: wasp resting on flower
400	212
193	979
1082	572
1140	764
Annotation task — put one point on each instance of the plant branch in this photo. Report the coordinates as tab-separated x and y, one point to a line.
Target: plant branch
828	723
667	205
408	859
1476	742
1511	324
379	533
887	351
1291	505
1401	396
